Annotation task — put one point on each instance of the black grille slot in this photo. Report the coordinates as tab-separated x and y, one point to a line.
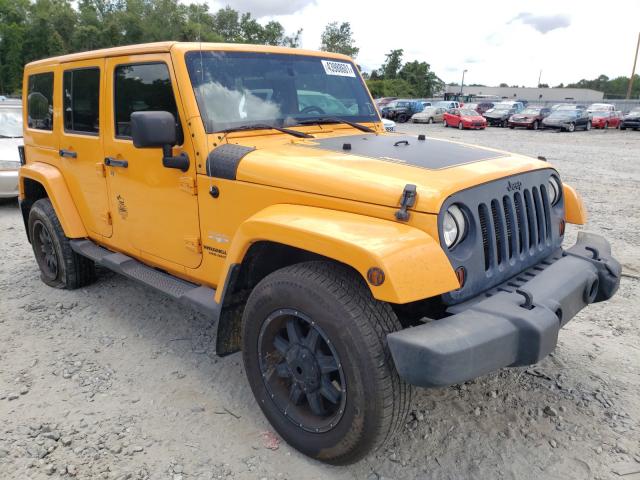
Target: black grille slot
508	215
482	214
522	233
498	227
540	221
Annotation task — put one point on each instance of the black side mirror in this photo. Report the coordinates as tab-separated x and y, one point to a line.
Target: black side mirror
153	129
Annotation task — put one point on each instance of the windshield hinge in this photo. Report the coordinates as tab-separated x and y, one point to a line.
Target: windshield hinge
407	201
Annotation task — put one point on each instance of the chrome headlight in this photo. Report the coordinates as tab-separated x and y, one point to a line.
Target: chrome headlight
554	189
454	226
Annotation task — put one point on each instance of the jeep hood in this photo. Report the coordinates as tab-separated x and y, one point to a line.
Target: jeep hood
375	168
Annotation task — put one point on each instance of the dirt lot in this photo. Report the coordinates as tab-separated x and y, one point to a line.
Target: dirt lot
116	381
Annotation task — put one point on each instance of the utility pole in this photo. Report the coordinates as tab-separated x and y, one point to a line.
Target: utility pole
539	78
633	71
462	84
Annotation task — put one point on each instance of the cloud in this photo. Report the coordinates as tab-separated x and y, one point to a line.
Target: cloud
260	8
543	23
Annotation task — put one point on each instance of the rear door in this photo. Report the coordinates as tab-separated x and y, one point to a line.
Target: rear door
81	142
155	207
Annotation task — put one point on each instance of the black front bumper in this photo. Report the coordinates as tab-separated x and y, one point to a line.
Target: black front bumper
516	323
496	121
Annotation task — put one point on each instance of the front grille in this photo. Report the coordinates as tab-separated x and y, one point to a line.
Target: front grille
512	227
502	237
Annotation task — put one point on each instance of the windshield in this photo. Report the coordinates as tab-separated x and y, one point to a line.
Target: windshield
444	104
243	88
531	111
600	113
567	107
10	122
503	106
635	111
468	112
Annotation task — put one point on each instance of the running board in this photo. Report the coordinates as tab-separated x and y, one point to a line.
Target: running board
195	296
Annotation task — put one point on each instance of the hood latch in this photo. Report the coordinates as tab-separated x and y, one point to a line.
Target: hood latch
407	201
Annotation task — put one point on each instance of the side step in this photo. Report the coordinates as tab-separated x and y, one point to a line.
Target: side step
195	296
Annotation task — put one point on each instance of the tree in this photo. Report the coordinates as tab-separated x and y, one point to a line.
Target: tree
423	81
503	85
338	39
392	64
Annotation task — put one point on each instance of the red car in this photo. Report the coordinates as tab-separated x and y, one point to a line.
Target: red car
464	118
605	119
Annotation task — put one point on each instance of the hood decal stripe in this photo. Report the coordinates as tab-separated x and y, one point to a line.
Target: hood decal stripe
430	154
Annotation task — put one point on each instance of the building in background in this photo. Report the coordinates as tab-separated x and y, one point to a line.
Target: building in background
584	95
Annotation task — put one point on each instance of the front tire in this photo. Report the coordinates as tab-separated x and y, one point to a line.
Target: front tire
60	266
571	127
536	125
587	127
460	126
316	356
430	121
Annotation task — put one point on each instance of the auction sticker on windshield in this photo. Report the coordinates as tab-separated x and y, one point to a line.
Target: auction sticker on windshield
341	69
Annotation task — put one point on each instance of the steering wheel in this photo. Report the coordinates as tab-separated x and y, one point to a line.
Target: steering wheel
312	109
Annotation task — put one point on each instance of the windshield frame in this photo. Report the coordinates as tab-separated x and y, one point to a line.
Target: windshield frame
361	94
18	111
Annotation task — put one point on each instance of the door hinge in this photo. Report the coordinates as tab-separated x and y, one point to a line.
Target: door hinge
193	243
188	184
101	169
106	218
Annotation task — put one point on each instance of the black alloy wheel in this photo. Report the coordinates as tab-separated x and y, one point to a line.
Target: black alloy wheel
45	251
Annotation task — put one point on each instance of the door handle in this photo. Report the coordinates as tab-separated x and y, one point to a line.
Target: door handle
67	153
112	162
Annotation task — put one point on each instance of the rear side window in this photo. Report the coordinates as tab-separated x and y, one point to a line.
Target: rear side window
141	87
40	101
81	100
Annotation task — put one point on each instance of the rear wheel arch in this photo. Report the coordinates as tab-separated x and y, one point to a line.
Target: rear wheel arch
33	191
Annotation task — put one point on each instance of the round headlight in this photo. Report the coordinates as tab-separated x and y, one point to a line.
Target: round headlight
554	188
454	226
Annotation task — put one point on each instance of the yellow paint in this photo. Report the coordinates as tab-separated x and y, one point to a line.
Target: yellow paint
334	204
574	210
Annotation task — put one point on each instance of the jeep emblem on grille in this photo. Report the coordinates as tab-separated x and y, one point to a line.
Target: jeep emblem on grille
511	186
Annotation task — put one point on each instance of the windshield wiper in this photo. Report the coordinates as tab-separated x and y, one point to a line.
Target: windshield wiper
324	120
266	126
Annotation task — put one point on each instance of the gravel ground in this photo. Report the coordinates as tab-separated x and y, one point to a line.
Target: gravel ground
115	381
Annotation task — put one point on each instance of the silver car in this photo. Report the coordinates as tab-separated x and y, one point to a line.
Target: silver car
429	115
10	139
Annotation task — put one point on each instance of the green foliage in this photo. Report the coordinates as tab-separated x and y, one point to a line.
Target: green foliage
34	29
413	79
612	87
338	39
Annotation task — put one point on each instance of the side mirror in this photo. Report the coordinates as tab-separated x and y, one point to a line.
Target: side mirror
152	129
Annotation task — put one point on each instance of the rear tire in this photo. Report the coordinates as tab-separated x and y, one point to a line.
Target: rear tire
60	266
371	401
430	121
587	127
460	126
571	127
536	125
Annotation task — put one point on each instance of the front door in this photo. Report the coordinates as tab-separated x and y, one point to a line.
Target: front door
155	208
81	142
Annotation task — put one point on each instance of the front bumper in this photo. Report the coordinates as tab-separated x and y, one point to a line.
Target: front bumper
8	183
496	121
630	124
516	323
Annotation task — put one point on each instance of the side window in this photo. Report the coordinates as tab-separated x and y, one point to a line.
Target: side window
140	87
40	101
81	100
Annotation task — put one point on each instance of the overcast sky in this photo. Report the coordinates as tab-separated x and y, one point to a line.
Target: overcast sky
497	41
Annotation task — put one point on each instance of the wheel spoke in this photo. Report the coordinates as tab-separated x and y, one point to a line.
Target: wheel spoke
283	370
296	394
281	345
293	330
311	340
329	391
327	363
315	402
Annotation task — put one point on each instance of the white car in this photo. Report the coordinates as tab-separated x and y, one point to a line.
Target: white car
598	107
389	125
10	139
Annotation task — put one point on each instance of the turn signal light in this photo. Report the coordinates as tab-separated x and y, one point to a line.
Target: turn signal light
461	273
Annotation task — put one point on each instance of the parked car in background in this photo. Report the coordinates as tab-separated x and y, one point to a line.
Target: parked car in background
631	120
3	98
462	118
402	110
568	119
389	125
381	102
598	107
10	139
605	119
429	115
471	106
447	104
530	117
484	106
501	112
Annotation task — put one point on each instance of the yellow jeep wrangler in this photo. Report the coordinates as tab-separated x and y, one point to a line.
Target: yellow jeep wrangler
257	185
